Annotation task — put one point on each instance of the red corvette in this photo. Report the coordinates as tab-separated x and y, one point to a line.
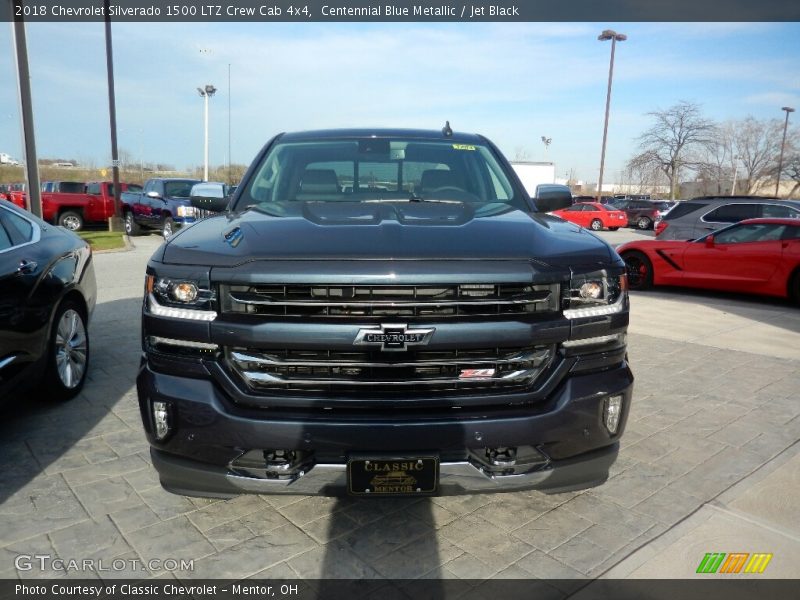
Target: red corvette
594	215
755	256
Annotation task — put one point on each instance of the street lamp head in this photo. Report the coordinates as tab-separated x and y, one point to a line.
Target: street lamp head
201	91
610	34
788	109
210	90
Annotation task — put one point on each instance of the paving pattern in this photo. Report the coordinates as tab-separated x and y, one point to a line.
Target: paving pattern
76	481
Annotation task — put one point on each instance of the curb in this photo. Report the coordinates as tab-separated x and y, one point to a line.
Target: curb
128	247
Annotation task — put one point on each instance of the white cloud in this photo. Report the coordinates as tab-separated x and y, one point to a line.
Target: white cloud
775	99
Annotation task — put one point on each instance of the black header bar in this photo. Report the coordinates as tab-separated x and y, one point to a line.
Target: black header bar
401	10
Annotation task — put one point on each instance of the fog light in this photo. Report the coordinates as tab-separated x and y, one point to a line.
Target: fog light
613	409
161	419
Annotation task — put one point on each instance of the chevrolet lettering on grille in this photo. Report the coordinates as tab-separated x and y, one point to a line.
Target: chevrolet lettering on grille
393	337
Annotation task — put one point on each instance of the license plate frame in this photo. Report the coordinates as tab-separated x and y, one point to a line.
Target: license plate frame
393	476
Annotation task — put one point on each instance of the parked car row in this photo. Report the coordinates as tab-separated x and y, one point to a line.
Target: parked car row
594	215
14	193
642	214
75	206
639	213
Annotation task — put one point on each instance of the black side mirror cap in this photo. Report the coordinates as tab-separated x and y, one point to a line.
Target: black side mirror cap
550	203
551	196
210	204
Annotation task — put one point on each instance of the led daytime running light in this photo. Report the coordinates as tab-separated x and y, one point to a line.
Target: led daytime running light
179	313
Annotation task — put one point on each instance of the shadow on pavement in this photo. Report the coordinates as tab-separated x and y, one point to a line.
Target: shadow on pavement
392	543
47	447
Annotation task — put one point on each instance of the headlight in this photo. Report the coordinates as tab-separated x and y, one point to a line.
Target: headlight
187	211
179	299
596	295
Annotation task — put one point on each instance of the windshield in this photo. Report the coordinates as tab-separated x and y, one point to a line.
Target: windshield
178	189
378	170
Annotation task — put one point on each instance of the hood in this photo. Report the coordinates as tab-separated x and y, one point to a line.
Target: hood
388	231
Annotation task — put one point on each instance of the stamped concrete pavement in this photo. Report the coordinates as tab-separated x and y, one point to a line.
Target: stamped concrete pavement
711	441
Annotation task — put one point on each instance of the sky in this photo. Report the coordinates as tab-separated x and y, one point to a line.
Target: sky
512	82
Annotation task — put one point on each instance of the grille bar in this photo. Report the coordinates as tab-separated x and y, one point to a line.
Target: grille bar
245	298
387	300
493	368
537	357
258	378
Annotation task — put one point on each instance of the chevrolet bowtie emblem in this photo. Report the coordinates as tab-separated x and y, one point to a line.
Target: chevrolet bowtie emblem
393	337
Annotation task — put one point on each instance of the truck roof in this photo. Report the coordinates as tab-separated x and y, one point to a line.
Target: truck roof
423	134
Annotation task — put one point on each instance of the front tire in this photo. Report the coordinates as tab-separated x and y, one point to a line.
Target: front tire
131	227
640	270
644	223
68	352
596	225
70	219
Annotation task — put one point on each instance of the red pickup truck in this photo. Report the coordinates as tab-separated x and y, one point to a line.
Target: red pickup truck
73	210
14	192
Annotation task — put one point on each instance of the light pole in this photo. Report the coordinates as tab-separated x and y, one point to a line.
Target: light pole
206	93
788	110
608	34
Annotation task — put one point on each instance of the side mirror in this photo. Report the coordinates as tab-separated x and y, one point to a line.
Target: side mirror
549	203
551	196
210	203
710	241
152	194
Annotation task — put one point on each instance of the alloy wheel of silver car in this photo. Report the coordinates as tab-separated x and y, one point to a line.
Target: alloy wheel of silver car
71	346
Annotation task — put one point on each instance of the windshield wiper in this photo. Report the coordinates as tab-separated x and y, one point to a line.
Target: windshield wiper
415	198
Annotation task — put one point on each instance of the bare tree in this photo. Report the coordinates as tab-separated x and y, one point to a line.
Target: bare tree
715	160
758	144
644	171
125	158
675	134
520	153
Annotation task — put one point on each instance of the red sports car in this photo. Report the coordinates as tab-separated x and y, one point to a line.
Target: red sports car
755	256
594	215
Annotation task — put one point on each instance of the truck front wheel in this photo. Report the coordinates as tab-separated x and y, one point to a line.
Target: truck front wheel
70	219
131	227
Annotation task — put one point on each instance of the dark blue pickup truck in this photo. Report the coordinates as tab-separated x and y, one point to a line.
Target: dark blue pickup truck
163	205
383	312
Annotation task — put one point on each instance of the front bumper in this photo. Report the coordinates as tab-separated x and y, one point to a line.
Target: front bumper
210	432
192	478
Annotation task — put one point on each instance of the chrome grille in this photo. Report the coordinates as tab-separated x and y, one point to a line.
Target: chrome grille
441	301
304	371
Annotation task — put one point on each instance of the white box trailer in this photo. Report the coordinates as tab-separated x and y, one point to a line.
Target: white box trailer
534	173
5	159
